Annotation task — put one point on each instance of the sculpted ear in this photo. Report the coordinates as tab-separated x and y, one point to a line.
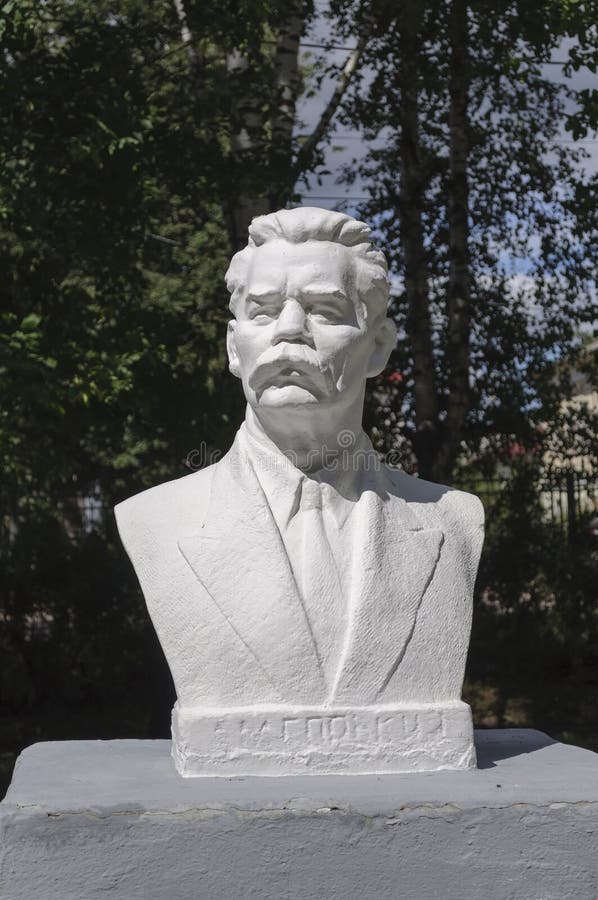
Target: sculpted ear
231	349
385	342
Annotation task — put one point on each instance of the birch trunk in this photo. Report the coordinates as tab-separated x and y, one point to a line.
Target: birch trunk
419	325
458	295
269	188
288	86
245	204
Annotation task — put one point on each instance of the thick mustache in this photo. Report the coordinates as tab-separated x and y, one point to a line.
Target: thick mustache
286	360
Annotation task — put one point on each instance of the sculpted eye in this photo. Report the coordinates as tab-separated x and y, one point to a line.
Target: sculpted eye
263	311
327	306
326	311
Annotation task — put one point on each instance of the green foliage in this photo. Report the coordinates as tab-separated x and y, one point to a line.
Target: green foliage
115	242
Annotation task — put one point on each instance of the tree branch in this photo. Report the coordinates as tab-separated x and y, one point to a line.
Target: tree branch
308	148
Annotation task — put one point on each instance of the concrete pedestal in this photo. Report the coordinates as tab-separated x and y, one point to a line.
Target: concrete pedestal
91	819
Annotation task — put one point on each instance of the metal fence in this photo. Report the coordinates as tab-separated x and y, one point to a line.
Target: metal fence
566	498
570	498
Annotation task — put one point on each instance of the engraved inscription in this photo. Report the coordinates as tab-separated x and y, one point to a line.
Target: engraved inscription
338	727
293	729
384	727
353	731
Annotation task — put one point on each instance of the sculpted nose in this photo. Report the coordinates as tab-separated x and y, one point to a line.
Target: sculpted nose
292	322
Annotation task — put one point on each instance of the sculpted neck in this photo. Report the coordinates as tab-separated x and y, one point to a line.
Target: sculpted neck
308	436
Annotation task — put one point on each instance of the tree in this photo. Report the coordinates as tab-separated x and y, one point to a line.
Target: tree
113	246
486	214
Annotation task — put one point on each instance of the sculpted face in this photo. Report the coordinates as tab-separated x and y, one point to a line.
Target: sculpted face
302	335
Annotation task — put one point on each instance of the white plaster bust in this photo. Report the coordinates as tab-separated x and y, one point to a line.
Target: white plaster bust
314	604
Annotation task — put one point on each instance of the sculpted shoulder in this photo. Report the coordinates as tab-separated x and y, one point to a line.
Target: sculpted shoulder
161	510
453	505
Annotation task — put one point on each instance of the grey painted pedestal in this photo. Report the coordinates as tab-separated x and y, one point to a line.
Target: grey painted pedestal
91	819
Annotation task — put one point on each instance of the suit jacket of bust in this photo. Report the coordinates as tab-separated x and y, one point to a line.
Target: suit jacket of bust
221	593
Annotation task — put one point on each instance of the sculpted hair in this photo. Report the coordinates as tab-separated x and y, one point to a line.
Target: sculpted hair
309	223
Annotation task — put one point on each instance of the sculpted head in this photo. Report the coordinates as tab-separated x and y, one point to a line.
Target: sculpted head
309	298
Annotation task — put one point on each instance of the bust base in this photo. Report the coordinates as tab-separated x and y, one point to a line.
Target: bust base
284	740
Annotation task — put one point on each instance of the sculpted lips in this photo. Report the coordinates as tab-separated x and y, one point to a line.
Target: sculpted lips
284	365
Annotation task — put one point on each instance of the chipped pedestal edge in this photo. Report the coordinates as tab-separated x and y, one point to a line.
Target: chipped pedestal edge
283	740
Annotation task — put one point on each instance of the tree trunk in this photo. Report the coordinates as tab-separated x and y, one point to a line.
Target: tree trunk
244	202
240	212
187	39
268	189
458	294
288	85
259	173
419	326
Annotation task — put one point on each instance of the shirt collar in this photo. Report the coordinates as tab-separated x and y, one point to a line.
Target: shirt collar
342	482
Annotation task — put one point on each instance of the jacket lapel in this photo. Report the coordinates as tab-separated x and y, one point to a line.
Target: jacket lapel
239	557
394	561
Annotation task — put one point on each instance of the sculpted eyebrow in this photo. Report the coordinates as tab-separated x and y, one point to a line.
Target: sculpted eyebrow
259	295
324	290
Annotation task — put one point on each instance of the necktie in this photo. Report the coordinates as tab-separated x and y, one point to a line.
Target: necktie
319	580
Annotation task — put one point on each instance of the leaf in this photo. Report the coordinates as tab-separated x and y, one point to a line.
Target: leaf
31	322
